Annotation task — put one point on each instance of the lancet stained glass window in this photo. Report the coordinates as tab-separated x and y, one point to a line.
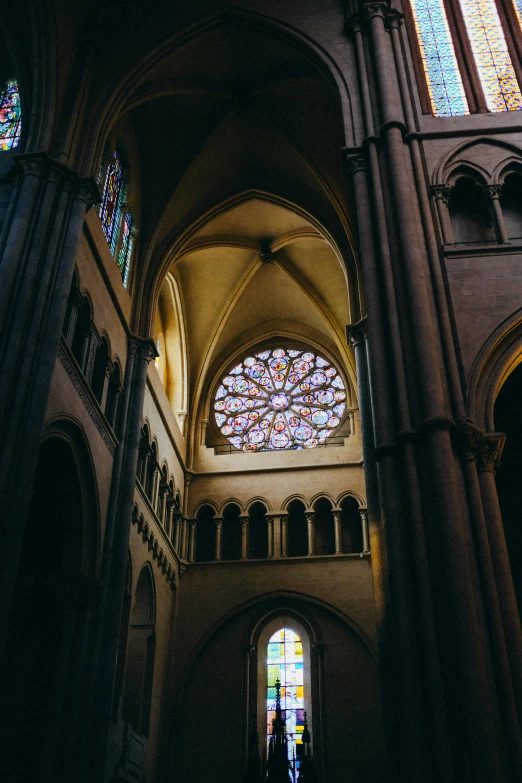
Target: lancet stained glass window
280	399
125	249
110	209
10	116
491	55
438	58
285	663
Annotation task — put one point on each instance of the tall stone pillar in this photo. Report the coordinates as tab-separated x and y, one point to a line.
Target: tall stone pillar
284	535
115	551
364	526
445	692
38	245
276	533
192	540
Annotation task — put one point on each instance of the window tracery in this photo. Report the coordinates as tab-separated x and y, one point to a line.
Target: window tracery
280	399
10	116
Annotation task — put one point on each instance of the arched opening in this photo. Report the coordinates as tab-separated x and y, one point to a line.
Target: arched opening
99	372
42	663
470	212
139	669
324	531
351	527
81	334
511	203
231	540
509	473
297	530
205	535
124	635
257	532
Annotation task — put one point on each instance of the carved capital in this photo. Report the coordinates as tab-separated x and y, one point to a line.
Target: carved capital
442	192
357	333
87	190
394	19
353	163
484	449
375	10
353	24
494	191
142	347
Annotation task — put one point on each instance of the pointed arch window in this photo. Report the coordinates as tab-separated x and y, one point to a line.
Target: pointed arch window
470	53
285	666
10	116
112	199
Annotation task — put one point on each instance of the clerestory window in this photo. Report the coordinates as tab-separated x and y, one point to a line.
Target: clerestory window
10	116
470	53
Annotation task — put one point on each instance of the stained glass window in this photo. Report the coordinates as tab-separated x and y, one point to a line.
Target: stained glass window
438	58
285	663
518	10
280	399
10	116
491	55
110	209
125	249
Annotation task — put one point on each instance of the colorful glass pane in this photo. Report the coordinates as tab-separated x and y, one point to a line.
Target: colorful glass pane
10	116
518	10
491	55
438	58
285	663
125	249
280	399
110	209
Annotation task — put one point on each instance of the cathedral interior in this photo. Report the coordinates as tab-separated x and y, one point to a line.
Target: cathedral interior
261	391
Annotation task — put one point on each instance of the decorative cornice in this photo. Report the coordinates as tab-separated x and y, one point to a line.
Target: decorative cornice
154	544
85	394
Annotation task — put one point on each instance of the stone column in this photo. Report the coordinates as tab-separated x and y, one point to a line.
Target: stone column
38	246
144	468
169	526
310	522
177	532
284	535
338	530
73	317
192	540
270	525
365	534
276	529
441	194
89	352
494	192
219	538
244	536
115	552
184	539
103	402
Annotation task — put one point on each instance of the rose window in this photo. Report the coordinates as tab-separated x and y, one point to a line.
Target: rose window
280	399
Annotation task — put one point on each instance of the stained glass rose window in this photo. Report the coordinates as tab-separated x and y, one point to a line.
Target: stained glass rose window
280	399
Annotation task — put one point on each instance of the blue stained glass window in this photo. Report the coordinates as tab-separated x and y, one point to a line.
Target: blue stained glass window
280	399
110	210
491	54
285	663
125	249
438	58
518	9
10	116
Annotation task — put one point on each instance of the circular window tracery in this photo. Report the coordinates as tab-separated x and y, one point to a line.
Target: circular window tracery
280	399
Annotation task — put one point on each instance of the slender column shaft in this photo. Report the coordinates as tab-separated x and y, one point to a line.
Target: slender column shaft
365	534
192	540
270	524
244	537
500	226
310	523
277	535
441	195
337	516
284	535
219	538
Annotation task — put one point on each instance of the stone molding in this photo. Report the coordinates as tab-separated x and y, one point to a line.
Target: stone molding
87	397
149	531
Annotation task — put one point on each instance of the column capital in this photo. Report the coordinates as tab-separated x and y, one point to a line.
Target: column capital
375	9
218	521
310	514
494	191
356	333
484	448
394	18
353	24
189	475
441	191
353	161
142	347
